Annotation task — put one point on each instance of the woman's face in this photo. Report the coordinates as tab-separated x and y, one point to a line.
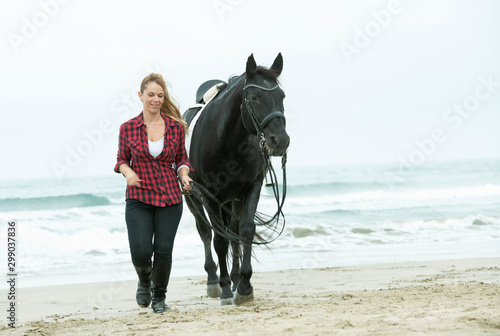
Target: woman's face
152	97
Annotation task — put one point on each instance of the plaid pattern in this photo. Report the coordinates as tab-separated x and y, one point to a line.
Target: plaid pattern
159	185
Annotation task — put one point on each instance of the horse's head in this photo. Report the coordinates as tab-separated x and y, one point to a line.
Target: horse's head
262	108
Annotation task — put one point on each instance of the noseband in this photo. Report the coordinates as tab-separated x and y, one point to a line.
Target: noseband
260	125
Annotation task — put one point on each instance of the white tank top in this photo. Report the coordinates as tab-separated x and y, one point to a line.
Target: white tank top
155	147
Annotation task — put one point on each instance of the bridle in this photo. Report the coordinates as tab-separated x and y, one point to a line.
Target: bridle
260	125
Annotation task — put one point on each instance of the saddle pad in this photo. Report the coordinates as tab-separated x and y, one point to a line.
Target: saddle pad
194	112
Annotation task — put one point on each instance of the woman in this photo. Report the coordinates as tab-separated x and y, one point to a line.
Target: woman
151	154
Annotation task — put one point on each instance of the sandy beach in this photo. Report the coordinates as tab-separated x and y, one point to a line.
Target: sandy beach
452	297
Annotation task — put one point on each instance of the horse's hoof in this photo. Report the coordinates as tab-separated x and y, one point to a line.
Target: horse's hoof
226	301
214	290
239	299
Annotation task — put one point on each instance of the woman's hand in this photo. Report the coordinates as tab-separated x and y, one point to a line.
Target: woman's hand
133	180
186	182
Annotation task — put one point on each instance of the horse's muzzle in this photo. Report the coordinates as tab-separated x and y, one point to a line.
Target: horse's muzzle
278	143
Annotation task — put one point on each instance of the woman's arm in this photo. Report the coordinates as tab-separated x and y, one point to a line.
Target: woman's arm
123	160
182	161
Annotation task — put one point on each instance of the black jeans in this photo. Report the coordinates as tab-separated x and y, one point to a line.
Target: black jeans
151	229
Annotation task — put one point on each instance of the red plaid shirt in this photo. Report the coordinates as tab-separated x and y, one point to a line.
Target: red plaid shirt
159	185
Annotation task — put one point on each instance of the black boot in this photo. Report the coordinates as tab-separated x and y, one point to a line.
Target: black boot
161	275
143	295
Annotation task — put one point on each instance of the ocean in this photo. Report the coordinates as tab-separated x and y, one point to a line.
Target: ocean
72	230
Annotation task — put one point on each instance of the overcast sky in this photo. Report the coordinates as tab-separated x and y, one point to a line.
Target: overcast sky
366	81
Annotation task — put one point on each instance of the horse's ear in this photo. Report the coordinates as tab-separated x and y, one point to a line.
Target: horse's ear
277	65
251	66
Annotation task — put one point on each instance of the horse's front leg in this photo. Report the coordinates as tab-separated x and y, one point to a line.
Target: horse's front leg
244	292
235	246
221	245
235	269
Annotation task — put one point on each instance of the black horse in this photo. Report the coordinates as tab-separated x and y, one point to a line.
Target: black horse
227	141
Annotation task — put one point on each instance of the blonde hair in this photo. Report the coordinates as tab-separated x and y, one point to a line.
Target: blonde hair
170	106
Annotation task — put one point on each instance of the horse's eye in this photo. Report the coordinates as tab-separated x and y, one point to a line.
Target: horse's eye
254	98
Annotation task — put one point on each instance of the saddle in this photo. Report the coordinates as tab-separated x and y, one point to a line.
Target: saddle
204	94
